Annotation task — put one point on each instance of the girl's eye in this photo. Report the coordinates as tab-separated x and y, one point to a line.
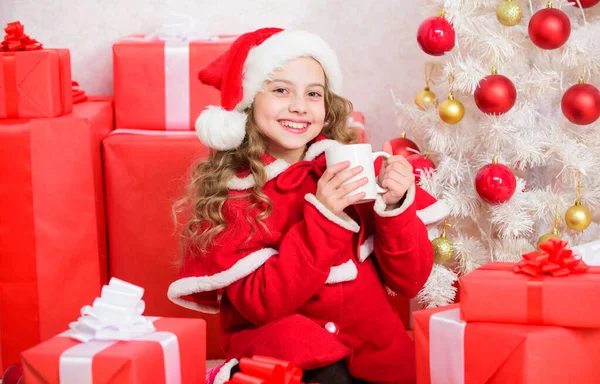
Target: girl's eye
314	94
280	90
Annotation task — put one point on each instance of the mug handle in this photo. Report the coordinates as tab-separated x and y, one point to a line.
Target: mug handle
380	190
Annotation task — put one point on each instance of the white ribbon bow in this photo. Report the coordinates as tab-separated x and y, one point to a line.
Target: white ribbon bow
182	28
115	315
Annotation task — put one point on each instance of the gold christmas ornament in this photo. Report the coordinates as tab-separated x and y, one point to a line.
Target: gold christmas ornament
578	217
452	111
509	13
427	97
552	234
442	247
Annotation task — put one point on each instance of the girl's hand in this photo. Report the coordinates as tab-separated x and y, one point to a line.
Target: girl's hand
331	192
396	176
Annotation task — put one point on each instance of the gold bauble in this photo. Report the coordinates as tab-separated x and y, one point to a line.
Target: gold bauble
443	249
509	13
578	217
425	97
452	111
544	238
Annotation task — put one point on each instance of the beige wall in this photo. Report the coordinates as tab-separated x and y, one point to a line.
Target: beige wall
375	40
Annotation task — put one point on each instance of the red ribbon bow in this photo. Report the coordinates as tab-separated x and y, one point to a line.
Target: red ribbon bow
78	93
297	173
266	370
553	259
17	40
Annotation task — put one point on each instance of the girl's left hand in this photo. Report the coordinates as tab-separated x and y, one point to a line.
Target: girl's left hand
396	175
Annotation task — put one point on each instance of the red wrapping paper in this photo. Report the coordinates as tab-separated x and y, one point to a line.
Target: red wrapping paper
52	226
145	173
511	353
35	83
494	293
128	362
140	84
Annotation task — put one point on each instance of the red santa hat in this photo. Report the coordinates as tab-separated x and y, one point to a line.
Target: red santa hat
240	73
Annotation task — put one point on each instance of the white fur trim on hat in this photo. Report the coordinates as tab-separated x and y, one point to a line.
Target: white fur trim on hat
275	51
221	129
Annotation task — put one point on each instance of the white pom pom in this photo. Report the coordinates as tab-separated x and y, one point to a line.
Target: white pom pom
221	129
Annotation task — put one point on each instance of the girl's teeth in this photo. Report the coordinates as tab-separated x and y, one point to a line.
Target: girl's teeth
294	125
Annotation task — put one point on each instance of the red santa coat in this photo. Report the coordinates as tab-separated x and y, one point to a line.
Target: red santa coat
312	288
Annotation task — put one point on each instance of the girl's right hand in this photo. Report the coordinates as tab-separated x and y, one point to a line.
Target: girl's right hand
332	194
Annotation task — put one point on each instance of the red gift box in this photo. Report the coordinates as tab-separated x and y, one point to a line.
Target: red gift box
52	226
35	83
145	173
494	293
156	82
173	354
452	351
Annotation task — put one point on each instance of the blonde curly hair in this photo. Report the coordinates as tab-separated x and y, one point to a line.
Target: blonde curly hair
207	190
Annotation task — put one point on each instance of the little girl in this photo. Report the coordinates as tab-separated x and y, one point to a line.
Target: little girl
298	271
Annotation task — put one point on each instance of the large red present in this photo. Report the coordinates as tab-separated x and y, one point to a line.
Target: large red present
33	83
452	351
156	82
113	343
52	226
145	173
496	293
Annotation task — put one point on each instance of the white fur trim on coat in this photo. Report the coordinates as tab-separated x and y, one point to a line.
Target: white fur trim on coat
342	272
190	285
225	372
380	207
274	52
367	248
435	212
279	166
343	220
221	129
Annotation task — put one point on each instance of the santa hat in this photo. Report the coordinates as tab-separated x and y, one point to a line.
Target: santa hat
429	209
240	73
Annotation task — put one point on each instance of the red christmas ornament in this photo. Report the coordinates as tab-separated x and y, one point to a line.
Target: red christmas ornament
436	35
403	146
495	183
581	103
420	163
13	374
495	94
549	28
585	3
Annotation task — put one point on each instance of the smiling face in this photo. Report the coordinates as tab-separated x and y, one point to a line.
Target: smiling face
290	112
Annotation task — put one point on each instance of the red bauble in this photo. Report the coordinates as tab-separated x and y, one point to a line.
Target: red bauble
581	104
495	94
12	375
436	36
585	3
403	146
495	183
419	164
549	28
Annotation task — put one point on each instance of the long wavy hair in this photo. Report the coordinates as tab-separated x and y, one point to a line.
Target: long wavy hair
207	190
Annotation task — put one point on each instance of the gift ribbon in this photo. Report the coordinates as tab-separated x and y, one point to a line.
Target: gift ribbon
552	259
266	370
79	95
9	68
75	363
16	39
447	347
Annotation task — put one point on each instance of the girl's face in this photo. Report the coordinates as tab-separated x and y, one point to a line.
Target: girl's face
290	111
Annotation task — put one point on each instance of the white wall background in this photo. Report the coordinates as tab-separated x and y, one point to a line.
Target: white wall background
375	39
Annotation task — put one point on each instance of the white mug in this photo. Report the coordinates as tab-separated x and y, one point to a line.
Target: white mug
359	155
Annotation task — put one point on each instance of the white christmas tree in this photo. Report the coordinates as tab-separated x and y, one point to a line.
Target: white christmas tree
535	138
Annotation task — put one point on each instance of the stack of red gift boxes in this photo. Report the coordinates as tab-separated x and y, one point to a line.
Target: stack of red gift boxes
533	322
83	202
53	256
